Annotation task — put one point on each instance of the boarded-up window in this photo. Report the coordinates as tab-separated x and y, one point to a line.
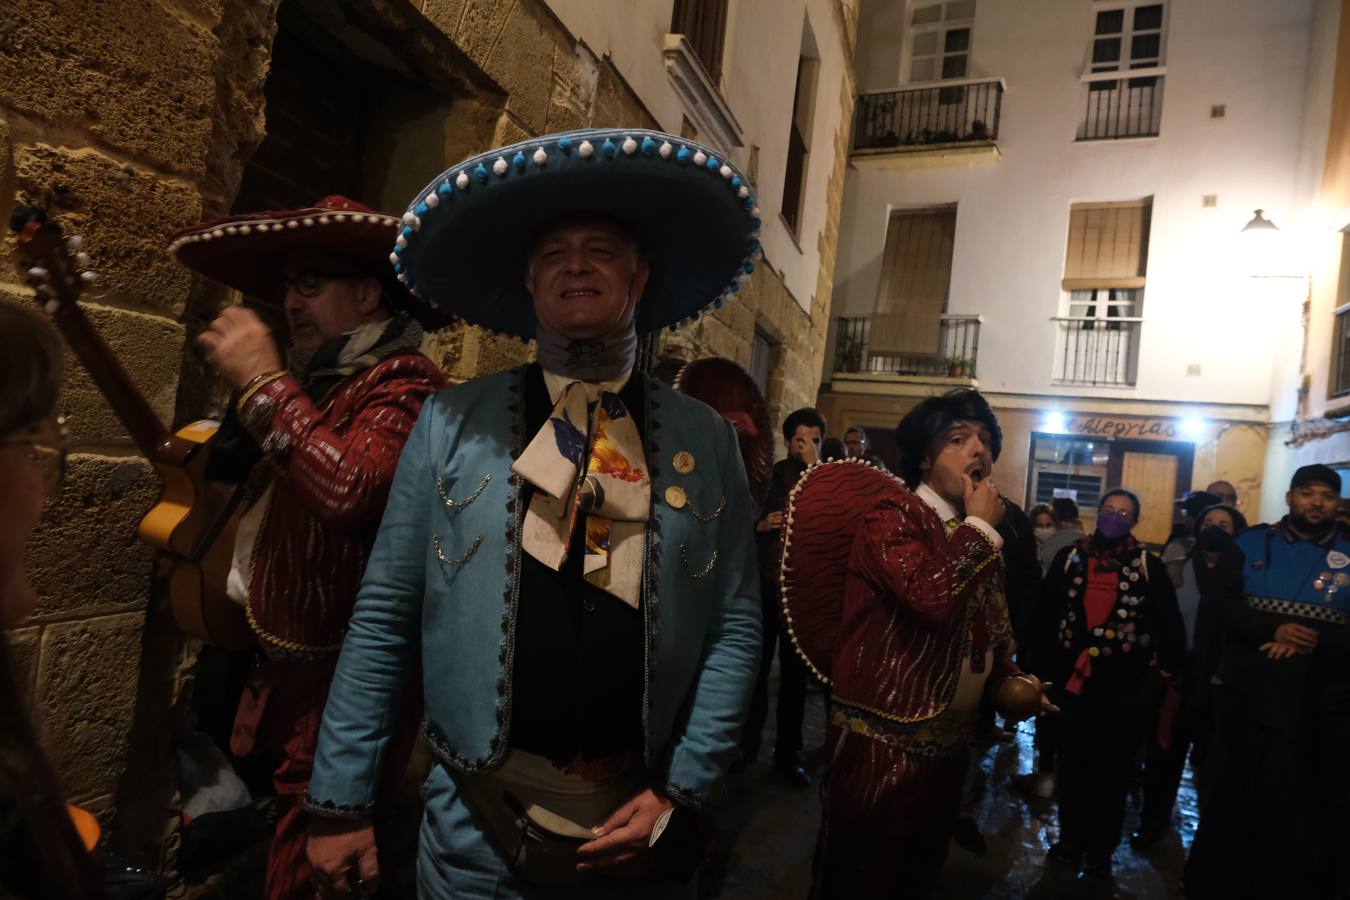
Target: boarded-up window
916	273
1108	245
704	25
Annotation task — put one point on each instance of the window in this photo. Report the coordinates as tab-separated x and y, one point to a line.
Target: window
1104	270
916	274
761	359
940	40
799	132
704	25
1339	382
1128	35
1340	354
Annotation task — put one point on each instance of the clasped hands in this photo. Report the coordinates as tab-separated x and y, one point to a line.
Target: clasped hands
1291	640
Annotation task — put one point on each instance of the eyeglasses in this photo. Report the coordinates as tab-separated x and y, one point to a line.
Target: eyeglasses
46	445
309	283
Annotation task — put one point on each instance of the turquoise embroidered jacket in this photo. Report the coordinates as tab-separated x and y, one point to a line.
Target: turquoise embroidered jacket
444	578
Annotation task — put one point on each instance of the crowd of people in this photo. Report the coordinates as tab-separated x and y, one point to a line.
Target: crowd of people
559	577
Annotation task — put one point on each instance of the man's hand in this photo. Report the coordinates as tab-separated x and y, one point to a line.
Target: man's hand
805	449
1303	638
772	522
239	346
342	853
622	846
1280	650
982	500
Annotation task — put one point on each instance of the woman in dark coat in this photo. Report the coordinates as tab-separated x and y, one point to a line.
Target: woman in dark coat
1185	715
1107	634
40	853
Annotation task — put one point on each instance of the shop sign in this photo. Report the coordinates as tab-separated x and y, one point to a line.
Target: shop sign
1122	429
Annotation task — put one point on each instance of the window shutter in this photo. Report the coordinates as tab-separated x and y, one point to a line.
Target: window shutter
1108	245
916	274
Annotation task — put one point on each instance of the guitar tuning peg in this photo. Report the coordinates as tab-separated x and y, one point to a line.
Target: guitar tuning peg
82	258
51	307
75	241
88	276
37	273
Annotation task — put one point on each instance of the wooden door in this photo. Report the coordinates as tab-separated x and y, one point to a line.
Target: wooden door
1153	476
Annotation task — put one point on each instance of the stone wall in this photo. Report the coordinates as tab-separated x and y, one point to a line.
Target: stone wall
128	118
131	118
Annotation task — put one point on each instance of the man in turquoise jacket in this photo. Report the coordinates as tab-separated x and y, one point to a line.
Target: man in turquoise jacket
568	545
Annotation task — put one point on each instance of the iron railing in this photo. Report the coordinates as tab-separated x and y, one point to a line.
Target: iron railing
954	356
1097	352
964	110
1121	107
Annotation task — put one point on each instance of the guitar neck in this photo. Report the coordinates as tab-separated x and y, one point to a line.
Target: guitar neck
155	441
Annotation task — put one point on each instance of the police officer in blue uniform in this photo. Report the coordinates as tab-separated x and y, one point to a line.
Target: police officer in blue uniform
1278	823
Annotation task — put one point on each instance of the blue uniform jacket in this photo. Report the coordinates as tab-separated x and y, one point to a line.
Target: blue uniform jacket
443	578
1285	579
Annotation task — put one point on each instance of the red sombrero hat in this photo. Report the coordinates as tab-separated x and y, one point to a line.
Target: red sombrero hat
246	252
824	512
730	390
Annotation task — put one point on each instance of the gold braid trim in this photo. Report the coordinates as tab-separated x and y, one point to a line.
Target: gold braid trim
280	642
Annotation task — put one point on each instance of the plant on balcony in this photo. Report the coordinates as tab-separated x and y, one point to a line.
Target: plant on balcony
931	136
959	367
979	131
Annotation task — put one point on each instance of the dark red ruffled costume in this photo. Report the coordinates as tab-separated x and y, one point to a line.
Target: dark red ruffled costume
892	627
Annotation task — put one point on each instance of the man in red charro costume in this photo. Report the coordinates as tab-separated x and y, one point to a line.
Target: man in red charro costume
909	630
317	434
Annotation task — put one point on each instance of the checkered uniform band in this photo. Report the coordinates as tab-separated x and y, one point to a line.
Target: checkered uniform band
1303	610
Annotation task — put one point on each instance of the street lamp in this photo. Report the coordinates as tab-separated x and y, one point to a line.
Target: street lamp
1259	224
1266	251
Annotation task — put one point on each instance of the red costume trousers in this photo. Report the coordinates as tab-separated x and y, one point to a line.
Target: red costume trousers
280	713
888	815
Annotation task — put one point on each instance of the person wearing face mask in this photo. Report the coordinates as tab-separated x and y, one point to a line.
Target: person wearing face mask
1043	525
1278	819
41	855
1185	712
1107	630
314	431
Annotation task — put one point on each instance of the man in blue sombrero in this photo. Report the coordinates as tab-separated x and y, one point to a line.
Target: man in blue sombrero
568	545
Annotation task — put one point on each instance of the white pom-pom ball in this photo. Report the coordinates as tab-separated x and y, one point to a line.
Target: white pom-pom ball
630	146
585	150
665	150
700	158
500	166
462	181
726	172
540	157
431	200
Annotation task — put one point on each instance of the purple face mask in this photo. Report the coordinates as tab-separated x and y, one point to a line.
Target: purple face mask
1113	527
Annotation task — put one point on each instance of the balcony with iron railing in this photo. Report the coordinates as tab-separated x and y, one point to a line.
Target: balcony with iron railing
1122	107
1097	352
955	352
953	120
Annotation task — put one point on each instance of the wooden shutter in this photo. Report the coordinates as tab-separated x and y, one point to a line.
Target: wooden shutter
1153	478
916	274
703	24
1108	245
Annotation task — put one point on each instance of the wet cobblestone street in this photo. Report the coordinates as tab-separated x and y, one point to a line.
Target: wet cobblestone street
768	832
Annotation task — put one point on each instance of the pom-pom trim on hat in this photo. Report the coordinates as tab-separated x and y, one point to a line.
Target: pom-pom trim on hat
637	146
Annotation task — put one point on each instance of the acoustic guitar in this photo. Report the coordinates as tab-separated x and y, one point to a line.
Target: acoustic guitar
194	521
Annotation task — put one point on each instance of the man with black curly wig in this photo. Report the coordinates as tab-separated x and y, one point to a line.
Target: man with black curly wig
924	625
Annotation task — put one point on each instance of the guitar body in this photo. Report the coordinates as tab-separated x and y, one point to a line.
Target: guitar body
195	522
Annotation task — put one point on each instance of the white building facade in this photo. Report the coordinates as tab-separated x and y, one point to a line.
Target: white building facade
1021	216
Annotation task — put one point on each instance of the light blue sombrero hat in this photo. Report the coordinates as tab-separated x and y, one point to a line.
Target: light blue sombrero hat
463	244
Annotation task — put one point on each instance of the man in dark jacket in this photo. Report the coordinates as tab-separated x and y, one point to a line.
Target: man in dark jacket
802	433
